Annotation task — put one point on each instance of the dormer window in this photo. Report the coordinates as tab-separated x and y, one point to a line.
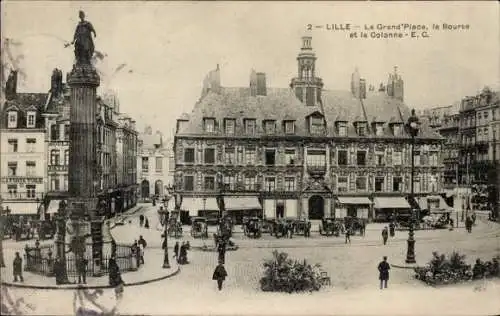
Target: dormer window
361	129
342	128
379	129
209	125
289	127
229	126
12	119
31	119
317	125
270	127
397	129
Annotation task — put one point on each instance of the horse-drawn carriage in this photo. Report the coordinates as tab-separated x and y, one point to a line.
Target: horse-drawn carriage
301	227
354	224
252	227
199	227
45	229
174	227
331	227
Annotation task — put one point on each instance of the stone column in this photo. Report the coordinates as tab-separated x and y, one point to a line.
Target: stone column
84	81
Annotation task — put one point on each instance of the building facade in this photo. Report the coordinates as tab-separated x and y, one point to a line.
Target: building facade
126	149
22	151
153	164
302	151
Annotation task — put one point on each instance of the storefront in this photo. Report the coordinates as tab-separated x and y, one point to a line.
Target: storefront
280	208
354	206
242	206
386	208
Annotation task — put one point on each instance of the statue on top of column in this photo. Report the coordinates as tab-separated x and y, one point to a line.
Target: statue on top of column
84	44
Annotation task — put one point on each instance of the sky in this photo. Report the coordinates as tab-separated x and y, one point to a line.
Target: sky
169	47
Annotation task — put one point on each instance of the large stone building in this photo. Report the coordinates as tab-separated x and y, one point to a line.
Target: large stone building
302	151
111	153
153	164
22	151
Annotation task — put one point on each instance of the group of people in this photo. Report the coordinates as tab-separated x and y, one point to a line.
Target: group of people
388	231
180	251
138	250
143	221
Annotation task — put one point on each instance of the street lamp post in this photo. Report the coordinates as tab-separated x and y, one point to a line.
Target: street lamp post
166	263
413	127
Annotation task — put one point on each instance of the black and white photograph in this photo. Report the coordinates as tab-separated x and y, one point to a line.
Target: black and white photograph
250	158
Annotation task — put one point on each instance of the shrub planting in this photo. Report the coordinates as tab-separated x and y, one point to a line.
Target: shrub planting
283	274
442	270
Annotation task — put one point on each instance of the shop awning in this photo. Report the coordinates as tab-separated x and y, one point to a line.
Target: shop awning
53	207
354	200
193	205
21	208
242	203
422	203
391	202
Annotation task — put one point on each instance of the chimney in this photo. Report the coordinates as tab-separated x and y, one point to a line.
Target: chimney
362	88
11	86
253	83
261	83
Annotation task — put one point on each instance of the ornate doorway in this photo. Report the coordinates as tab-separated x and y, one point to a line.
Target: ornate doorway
316	207
145	189
159	187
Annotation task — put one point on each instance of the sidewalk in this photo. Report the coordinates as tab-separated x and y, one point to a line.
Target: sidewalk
151	271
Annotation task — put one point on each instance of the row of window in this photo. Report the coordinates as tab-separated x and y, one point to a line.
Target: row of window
55	157
316	125
59	132
13	145
30	191
13	119
57	185
13	170
313	158
158	164
289	184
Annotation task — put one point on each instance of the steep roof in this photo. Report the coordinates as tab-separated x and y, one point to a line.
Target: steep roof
281	104
23	103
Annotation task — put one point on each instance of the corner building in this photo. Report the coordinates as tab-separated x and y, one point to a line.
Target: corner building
302	151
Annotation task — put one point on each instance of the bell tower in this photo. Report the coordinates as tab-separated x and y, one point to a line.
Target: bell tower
306	85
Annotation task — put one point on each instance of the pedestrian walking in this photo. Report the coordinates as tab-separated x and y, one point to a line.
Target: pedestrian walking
82	270
348	235
141	253
183	254
308	229
142	242
18	268
141	220
176	251
468	224
146	223
383	269
392	229
385	235
219	275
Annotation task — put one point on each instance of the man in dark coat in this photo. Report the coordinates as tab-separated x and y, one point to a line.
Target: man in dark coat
221	249
176	251
82	270
183	254
348	235
385	235
18	268
142	242
383	269
219	275
392	229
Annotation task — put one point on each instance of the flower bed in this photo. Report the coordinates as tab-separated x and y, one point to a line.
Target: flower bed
283	274
443	270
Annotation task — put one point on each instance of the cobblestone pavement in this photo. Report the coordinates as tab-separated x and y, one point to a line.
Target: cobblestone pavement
352	268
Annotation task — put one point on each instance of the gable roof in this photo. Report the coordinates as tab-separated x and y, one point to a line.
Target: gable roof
22	103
